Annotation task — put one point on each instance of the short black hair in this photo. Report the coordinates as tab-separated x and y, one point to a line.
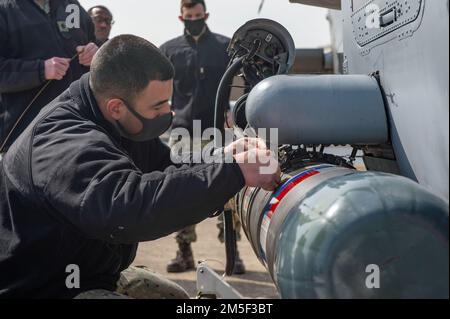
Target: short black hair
125	65
191	4
101	8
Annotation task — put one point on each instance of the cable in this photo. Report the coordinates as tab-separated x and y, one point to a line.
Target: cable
230	241
222	101
28	108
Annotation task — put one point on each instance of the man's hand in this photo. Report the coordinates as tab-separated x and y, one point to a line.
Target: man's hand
245	144
229	123
86	53
56	68
260	168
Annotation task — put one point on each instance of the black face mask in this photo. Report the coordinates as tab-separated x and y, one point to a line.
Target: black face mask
195	27
152	128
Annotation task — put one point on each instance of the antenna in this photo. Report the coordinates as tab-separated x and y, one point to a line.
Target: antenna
261	6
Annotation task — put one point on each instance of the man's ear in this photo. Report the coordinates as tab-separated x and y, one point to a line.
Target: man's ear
181	19
115	108
206	16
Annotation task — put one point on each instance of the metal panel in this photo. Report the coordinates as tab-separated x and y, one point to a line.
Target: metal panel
414	74
392	15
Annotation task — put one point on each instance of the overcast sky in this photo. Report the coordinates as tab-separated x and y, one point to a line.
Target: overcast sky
158	21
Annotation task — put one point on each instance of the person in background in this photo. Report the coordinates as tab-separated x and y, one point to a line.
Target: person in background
103	21
36	46
200	59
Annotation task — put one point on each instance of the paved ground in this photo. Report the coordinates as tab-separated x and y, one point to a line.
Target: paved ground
256	283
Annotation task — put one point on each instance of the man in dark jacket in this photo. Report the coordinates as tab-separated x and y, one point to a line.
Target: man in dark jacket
73	197
37	40
200	59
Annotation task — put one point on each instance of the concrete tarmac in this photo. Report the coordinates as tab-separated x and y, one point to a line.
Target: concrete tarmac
256	283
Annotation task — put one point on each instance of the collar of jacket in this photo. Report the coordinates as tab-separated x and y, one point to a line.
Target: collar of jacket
88	99
203	37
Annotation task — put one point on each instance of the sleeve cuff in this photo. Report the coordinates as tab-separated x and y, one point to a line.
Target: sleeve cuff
41	71
220	153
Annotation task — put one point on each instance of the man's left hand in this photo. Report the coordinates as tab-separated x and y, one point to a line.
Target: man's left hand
86	53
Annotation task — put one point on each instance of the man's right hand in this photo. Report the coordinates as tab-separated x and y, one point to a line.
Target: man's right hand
260	168
56	68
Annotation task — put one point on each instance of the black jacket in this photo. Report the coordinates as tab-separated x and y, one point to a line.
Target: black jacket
71	193
28	37
199	67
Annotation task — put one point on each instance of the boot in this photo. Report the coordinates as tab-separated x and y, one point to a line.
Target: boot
184	260
239	267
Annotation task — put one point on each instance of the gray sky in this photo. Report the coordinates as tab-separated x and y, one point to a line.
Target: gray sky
157	21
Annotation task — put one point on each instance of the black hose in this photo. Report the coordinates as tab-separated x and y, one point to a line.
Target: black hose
230	241
27	108
222	104
223	101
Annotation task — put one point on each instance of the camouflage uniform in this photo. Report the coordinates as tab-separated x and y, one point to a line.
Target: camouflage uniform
139	283
188	234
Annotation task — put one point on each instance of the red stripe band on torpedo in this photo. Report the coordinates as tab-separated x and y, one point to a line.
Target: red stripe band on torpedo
278	197
286	190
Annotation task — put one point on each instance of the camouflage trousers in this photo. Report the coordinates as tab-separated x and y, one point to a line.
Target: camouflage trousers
188	234
139	283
